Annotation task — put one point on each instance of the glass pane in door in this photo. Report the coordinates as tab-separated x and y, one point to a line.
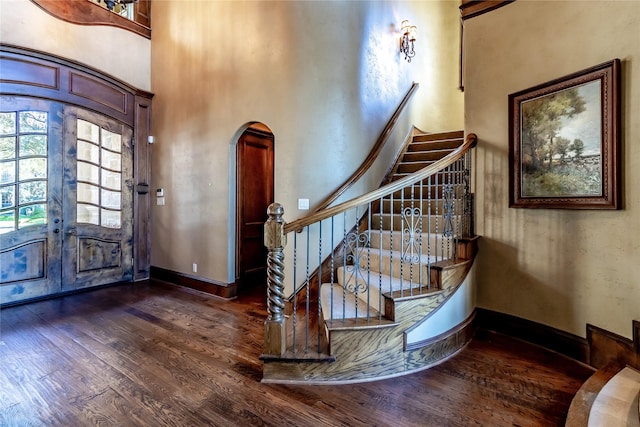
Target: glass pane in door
23	169
99	174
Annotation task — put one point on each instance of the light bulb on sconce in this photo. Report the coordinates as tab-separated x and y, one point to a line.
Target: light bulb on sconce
407	40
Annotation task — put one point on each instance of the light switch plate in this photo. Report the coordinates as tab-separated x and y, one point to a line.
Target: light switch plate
303	204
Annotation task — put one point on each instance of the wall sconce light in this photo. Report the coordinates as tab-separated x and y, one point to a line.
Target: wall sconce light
407	40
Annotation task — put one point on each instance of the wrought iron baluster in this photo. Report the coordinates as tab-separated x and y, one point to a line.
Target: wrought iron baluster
344	267
319	308
392	208
449	212
369	206
429	189
401	242
356	262
438	195
380	259
332	263
306	318
295	290
420	268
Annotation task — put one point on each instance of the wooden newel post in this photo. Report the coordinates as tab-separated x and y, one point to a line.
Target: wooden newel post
275	342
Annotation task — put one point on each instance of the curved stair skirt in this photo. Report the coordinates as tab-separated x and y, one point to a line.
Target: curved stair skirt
381	351
611	398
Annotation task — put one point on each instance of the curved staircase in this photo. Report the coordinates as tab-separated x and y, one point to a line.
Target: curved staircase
405	254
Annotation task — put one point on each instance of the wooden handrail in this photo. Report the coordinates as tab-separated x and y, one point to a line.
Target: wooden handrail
373	154
470	142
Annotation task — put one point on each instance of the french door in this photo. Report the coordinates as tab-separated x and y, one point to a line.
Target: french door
66	210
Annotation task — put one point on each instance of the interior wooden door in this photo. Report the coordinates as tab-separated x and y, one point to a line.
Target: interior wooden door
97	200
31	198
255	182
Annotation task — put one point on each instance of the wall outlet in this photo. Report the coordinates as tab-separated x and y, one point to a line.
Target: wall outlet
195	267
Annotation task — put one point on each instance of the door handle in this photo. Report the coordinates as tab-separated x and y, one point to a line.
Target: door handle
57	230
72	232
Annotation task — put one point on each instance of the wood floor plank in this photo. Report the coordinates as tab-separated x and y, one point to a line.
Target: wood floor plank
152	354
152	398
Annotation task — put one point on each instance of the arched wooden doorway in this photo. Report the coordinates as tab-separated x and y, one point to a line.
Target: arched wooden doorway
254	193
74	177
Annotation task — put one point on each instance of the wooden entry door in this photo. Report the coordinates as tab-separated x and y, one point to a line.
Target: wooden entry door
254	180
66	212
97	200
31	198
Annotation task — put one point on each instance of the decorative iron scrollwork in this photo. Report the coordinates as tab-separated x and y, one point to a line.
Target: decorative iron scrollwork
357	246
448	208
411	234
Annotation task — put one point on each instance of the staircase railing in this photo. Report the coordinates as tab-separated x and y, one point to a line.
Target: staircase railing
411	225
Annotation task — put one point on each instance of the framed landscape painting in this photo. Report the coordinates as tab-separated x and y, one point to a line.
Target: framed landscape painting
564	148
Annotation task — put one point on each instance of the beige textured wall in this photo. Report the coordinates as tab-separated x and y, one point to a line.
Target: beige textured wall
323	76
558	267
114	51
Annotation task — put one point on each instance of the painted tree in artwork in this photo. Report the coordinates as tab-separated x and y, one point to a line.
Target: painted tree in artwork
554	159
541	121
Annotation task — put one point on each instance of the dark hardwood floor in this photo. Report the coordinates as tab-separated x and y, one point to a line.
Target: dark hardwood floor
160	355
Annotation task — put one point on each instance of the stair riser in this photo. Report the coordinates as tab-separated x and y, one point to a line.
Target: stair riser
440	137
438	178
430	244
338	303
410	167
435	206
415	275
370	301
427	192
428	223
450	144
424	156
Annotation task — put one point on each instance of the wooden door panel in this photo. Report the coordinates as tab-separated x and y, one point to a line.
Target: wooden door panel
255	156
98	254
24	262
30	239
98	226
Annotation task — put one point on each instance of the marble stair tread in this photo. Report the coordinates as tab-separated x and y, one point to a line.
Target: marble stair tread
344	305
379	281
617	402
